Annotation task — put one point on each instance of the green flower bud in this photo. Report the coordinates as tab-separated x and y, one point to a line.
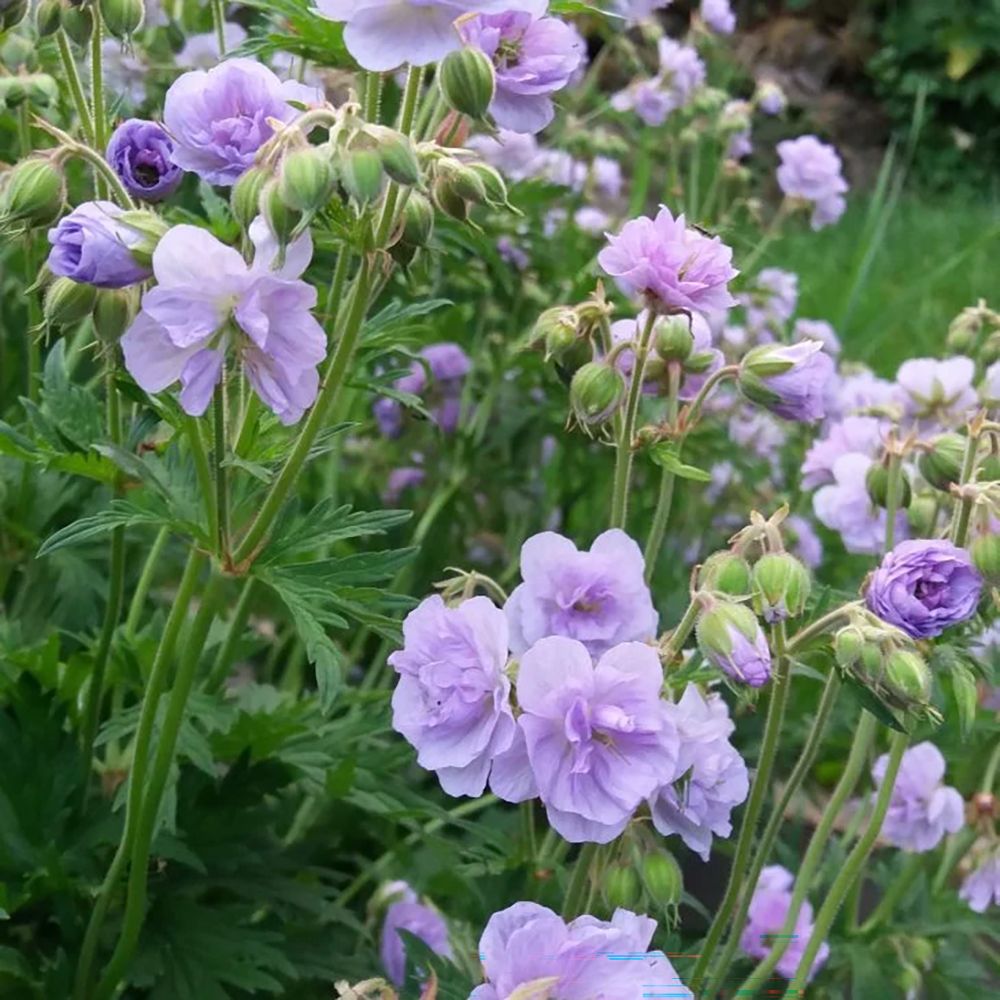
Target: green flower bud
942	464
449	201
462	181
33	192
662	878
989	469
920	515
673	339
361	175
244	198
43	90
114	311
985	553
908	676
730	638
726	573
872	661
396	153
781	586
48	17
699	362
493	184
558	328
78	23
467	81
151	227
122	18
280	217
68	302
13	91
12	13
305	180
621	887
848	646
418	220
990	351
596	392
877	481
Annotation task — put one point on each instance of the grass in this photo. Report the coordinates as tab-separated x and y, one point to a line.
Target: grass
893	301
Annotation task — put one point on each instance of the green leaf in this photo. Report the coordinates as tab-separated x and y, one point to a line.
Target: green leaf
665	454
121	513
870	701
964	689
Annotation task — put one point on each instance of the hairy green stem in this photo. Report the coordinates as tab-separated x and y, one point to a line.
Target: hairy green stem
99	113
72	76
579	883
853	867
137	604
219	22
675	643
407	113
668	479
203	473
893	490
224	657
221	473
963	505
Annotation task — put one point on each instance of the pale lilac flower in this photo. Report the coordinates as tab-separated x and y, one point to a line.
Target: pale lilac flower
981	887
740	145
818	329
757	432
558	167
711	777
922	808
533	57
805	543
607	176
862	390
797	393
770	97
941	390
592	220
402	479
673	267
529	952
125	74
769	907
384	34
812	171
989	389
681	70
860	435
648	100
925	586
598	737
93	245
513	254
771	302
635	11
422	922
452	702
598	597
731	639
719	16
140	154
219	119
207	300
202	51
515	155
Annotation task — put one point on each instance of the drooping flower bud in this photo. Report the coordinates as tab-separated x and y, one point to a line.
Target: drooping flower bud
33	192
305	180
673	339
848	646
122	18
448	201
558	329
731	639
418	220
460	181
68	302
985	552
12	13
467	81
620	887
781	586
78	22
113	313
493	184
662	878
244	198
725	572
397	155
789	380
964	330
281	218
48	17
596	392
361	175
908	676
150	227
941	464
877	482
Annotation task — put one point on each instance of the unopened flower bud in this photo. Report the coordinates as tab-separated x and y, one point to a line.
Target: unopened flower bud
244	198
922	514
122	18
990	351
699	362
467	81
661	875
877	482
33	192
42	89
281	218
985	553
78	23
848	646
397	155
361	175
150	226
462	181
726	573
68	302
621	887
114	311
418	220
596	392
673	339
558	328
493	184
908	676
12	13
964	330
449	201
13	91
781	586
48	17
731	639
941	465
306	179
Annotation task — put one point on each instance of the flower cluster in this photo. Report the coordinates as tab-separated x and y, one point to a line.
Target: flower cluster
811	171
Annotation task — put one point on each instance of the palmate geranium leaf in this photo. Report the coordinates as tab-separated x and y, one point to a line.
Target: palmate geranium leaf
120	513
299	29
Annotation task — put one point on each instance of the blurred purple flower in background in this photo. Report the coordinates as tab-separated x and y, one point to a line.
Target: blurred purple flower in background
811	170
140	153
859	435
818	329
407	914
771	301
202	51
981	887
938	390
719	16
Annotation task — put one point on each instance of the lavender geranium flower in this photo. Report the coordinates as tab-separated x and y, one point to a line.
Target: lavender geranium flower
401	479
811	170
805	543
981	887
730	638
598	597
712	777
770	98
818	329
528	951
790	381
95	245
384	34
607	177
635	11
452	700
647	99
219	119
598	737
407	914
517	156
941	391
859	435
681	73
719	16
533	57
925	586
201	51
769	907
922	808
770	304
140	153
672	266
208	300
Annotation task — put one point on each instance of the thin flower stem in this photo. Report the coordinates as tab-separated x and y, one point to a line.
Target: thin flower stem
893	489
579	884
203	473
623	455
897	889
777	818
677	638
860	747
224	658
825	624
140	756
156	782
219	416
990	774
963	504
770	234
102	167
758	792
373	97
853	867
75	86
137	604
98	110
407	113
693	413
219	22
668	479
32	349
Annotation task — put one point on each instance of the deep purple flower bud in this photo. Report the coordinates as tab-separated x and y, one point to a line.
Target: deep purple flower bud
140	154
790	381
731	639
92	244
925	586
